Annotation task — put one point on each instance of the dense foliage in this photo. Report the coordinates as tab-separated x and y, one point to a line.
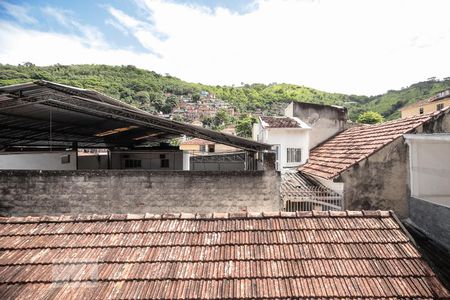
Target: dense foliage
370	117
154	92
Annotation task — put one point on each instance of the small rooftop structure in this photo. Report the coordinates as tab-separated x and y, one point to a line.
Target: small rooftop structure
344	150
324	255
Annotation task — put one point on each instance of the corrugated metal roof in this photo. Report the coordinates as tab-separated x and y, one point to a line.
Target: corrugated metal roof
213	256
43	113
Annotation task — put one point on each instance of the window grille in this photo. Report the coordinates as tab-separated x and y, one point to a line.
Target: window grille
294	155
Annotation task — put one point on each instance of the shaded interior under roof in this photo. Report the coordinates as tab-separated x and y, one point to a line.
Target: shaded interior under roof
42	114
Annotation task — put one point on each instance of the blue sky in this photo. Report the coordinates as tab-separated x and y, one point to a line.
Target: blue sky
349	46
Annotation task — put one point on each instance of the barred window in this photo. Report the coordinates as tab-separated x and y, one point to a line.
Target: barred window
421	110
440	106
294	155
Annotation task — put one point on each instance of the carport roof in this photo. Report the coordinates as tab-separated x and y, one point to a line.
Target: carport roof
44	113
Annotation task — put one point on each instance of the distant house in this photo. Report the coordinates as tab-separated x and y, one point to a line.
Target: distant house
369	164
437	102
289	137
305	255
197	146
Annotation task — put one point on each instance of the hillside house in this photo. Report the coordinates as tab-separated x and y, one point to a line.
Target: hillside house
368	165
304	255
438	102
289	137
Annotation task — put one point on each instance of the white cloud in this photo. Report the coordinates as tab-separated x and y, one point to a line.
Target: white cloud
91	35
20	13
117	26
350	46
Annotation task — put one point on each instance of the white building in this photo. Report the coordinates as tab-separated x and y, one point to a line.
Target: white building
289	137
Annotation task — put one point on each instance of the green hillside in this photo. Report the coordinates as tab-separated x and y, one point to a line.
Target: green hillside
151	91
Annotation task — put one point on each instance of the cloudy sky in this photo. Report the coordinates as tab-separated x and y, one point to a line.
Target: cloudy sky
349	46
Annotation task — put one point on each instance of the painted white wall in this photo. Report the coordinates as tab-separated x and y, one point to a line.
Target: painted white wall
37	160
150	160
430	167
285	138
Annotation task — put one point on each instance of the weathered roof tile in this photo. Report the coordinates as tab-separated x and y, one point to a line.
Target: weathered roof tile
213	256
353	145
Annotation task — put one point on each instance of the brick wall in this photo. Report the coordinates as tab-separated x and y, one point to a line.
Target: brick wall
121	191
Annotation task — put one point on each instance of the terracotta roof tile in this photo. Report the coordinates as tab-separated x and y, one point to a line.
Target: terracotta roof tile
353	145
213	256
281	122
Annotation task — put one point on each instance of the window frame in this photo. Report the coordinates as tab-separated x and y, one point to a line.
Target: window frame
293	155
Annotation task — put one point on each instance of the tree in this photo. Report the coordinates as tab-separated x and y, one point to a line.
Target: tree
171	103
370	117
244	125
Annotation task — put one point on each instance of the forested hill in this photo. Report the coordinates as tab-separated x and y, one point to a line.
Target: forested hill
151	91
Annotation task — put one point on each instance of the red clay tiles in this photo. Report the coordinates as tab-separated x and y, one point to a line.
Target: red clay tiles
280	122
213	256
351	146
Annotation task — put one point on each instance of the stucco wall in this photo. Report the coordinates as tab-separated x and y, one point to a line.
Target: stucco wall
128	191
325	120
379	182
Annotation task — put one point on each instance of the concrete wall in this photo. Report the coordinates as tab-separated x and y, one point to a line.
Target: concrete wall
131	191
431	218
37	160
325	120
379	182
382	180
150	160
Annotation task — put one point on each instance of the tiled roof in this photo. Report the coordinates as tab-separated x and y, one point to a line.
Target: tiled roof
197	141
351	146
281	122
221	256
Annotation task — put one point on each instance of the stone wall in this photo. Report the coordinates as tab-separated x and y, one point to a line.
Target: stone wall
123	191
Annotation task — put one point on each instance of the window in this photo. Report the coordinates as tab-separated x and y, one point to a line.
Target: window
421	110
133	163
164	163
440	106
294	155
65	159
202	148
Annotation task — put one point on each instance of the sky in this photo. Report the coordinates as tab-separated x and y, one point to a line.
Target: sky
348	46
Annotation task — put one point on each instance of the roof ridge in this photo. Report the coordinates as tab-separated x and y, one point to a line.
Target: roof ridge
191	216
